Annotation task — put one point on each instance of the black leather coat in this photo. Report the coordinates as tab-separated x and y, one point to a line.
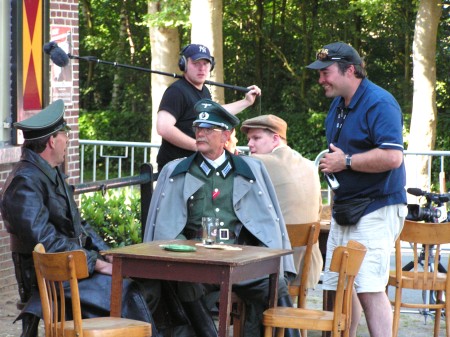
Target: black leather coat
37	205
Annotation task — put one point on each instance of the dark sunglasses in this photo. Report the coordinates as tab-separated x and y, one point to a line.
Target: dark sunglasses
322	55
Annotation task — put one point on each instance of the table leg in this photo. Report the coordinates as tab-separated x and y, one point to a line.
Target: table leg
224	307
116	288
273	290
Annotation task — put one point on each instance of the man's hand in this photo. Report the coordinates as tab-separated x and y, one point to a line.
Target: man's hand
250	97
333	161
108	258
254	92
373	161
103	267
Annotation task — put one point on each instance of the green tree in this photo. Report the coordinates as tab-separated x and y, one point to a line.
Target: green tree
114	33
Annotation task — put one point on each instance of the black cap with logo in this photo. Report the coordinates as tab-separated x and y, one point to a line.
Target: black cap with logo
335	52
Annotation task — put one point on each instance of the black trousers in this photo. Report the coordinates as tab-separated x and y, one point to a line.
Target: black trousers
254	293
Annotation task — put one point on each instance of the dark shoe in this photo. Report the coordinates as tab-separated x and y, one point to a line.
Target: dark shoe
201	320
30	324
286	301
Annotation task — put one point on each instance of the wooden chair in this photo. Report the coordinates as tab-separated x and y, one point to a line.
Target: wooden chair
52	270
421	278
303	235
346	261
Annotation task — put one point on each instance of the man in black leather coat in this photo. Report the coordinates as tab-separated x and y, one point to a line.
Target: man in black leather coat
37	205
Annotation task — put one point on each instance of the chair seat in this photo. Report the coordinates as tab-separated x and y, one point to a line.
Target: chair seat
411	281
295	317
109	327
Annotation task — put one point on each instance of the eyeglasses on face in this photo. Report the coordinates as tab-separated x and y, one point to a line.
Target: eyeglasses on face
206	131
322	55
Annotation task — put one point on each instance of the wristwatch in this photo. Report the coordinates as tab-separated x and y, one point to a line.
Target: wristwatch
348	161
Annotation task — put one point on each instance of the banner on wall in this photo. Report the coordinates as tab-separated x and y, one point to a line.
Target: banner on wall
28	73
61	77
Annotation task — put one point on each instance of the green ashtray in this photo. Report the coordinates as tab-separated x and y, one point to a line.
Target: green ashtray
179	248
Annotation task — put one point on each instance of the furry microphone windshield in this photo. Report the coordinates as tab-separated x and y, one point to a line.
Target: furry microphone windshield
57	55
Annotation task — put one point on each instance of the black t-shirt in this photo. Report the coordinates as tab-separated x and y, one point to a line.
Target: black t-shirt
179	100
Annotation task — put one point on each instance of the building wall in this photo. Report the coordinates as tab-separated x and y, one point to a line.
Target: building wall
61	13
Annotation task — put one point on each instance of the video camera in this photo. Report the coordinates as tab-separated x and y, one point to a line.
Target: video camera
428	212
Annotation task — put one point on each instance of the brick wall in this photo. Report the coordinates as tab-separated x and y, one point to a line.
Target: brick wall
62	13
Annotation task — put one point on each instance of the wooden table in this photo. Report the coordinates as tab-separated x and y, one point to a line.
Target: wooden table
222	267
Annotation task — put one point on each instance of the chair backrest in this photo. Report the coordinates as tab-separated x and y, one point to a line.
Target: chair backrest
346	261
300	235
427	238
52	270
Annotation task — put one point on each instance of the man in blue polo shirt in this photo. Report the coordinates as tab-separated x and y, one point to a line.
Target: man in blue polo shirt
364	133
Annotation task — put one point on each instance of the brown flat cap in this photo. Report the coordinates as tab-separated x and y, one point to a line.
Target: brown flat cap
268	122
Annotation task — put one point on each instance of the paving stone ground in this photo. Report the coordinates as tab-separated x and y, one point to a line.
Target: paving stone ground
412	325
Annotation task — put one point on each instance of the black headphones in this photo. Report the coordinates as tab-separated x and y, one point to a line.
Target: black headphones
182	62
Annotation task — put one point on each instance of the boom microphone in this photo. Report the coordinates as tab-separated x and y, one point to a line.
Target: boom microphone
61	59
57	55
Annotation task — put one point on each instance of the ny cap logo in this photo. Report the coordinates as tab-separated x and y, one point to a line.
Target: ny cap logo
202	49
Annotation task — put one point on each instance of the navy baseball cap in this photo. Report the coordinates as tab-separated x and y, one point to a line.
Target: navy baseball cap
197	52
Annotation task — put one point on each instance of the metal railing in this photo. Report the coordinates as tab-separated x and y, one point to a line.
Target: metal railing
135	153
102	146
138	153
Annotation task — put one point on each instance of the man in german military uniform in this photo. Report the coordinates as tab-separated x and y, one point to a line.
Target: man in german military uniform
236	189
38	206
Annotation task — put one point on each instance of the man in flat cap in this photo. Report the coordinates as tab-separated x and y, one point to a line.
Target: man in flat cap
364	133
38	206
236	189
295	178
176	109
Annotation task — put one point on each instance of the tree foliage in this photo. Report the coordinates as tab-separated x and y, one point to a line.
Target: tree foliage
114	32
268	43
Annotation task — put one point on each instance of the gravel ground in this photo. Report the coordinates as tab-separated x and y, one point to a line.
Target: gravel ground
412	325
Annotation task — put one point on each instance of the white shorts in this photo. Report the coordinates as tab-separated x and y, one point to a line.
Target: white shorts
377	231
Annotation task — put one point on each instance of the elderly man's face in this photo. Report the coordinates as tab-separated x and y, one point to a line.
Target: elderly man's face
261	141
211	141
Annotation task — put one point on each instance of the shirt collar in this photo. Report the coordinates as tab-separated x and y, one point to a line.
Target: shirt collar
217	162
278	147
240	166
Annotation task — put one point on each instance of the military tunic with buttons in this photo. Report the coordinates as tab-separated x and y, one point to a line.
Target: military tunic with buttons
212	200
254	203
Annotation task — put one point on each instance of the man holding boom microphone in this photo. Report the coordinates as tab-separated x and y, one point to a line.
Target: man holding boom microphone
364	133
176	110
175	115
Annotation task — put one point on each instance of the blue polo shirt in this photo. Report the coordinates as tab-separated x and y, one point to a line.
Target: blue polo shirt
374	120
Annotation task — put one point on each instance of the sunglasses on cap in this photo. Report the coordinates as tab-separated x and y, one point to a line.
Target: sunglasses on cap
322	55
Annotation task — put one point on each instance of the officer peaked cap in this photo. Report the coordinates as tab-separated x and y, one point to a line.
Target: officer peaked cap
44	123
